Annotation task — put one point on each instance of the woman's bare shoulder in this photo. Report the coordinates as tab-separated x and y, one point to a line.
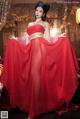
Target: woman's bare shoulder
31	23
46	23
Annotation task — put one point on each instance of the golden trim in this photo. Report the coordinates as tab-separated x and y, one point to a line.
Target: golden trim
35	35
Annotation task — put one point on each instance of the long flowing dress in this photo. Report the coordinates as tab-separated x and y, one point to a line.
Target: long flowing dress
41	75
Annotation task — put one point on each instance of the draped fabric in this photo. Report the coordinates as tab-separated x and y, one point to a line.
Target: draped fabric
40	76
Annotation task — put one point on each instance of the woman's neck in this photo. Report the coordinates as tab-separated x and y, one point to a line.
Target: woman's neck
38	20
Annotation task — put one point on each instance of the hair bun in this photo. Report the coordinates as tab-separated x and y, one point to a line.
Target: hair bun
45	6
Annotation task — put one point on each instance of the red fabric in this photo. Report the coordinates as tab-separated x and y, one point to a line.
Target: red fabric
40	76
35	28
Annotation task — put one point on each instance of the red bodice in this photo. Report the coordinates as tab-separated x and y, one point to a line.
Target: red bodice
35	28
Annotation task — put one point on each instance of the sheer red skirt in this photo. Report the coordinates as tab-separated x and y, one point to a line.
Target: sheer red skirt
40	76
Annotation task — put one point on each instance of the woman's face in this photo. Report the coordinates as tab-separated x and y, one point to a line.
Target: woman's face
39	12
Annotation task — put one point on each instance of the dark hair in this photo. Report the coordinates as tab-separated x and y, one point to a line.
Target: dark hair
45	8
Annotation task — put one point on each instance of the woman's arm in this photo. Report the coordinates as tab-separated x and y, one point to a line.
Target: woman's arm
47	31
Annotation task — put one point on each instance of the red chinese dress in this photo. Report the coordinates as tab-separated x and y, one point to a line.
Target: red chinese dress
40	76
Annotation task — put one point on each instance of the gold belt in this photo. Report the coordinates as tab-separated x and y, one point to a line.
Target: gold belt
35	35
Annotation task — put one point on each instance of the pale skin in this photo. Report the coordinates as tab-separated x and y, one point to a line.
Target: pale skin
1	69
39	13
1	85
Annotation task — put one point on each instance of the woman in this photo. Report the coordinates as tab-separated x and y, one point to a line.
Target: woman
40	76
